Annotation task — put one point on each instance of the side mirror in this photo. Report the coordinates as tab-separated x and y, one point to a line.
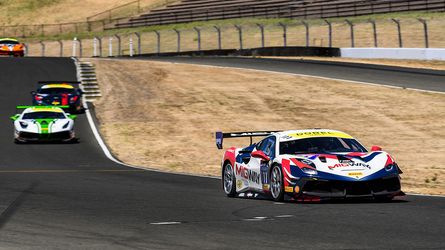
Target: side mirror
15	117
376	148
260	154
72	117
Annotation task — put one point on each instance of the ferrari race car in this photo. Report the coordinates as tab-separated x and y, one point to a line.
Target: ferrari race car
58	93
11	47
308	165
43	123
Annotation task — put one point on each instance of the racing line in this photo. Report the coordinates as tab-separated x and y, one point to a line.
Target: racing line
71	196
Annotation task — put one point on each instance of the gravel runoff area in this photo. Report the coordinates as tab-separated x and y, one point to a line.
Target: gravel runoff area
164	115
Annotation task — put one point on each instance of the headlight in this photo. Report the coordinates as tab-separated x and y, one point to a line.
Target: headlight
23	124
309	171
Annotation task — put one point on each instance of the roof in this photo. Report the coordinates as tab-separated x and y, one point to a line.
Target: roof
61	85
291	135
8	39
43	109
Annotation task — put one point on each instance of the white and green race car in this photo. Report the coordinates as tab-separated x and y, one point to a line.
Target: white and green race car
43	123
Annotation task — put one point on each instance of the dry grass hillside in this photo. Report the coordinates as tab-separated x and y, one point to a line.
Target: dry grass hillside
57	11
163	115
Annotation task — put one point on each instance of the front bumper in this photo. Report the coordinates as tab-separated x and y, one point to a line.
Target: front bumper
12	53
383	187
64	136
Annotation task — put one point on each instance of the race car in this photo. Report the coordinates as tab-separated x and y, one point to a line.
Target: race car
58	93
308	165
11	47
43	123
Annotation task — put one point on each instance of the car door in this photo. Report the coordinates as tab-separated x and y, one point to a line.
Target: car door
258	166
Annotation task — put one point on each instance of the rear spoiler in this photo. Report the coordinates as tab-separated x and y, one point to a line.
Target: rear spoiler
25	107
58	82
220	136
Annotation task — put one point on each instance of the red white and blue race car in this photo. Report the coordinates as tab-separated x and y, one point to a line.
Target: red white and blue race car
308	165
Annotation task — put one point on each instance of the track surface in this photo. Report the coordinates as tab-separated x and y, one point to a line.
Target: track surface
424	79
62	196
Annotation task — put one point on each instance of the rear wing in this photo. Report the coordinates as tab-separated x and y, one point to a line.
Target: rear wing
220	136
25	107
58	82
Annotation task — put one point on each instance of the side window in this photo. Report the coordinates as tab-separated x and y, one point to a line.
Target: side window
268	146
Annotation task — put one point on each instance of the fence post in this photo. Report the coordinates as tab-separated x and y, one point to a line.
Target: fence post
138	35
80	48
61	48
158	36
240	35
98	39
306	25
198	32
94	47
374	29
399	30
131	47
284	26
425	30
42	48
218	30
178	40
74	46
329	32
119	45
262	33
110	47
26	49
351	27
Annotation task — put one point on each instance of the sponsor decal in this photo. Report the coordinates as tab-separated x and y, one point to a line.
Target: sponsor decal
247	174
239	184
308	134
297	189
355	174
288	189
266	187
350	164
264	173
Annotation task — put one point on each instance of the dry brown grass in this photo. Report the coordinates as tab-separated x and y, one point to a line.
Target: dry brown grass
163	115
57	11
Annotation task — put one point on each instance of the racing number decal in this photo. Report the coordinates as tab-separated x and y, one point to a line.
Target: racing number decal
264	173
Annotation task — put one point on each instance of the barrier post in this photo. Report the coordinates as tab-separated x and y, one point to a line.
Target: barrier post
399	31
374	30
42	49
198	33
158	36
61	48
110	47
178	40
95	47
284	26
74	47
80	48
351	27
329	32
262	33
240	35
131	47
100	45
138	35
306	25
425	31
218	31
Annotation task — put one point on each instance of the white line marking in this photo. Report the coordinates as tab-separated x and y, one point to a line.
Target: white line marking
166	223
284	216
255	219
110	156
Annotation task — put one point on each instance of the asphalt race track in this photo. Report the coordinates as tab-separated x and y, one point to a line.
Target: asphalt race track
70	196
424	79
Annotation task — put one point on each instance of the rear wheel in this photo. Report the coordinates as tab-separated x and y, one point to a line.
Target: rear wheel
228	180
276	183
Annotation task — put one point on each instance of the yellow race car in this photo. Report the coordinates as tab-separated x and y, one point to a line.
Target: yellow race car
11	47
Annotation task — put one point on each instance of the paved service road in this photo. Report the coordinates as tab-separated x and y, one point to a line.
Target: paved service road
69	196
424	79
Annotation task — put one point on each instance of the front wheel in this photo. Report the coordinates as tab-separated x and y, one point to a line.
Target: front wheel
228	180
276	183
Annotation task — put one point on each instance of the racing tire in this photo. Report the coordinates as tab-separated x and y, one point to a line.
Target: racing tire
228	180
276	183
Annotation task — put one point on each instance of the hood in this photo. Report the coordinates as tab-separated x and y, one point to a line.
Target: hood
348	165
44	126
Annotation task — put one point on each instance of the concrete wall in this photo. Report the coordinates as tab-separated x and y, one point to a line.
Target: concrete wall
394	53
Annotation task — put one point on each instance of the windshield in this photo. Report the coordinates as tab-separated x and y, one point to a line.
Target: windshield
321	145
44	115
56	91
8	42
